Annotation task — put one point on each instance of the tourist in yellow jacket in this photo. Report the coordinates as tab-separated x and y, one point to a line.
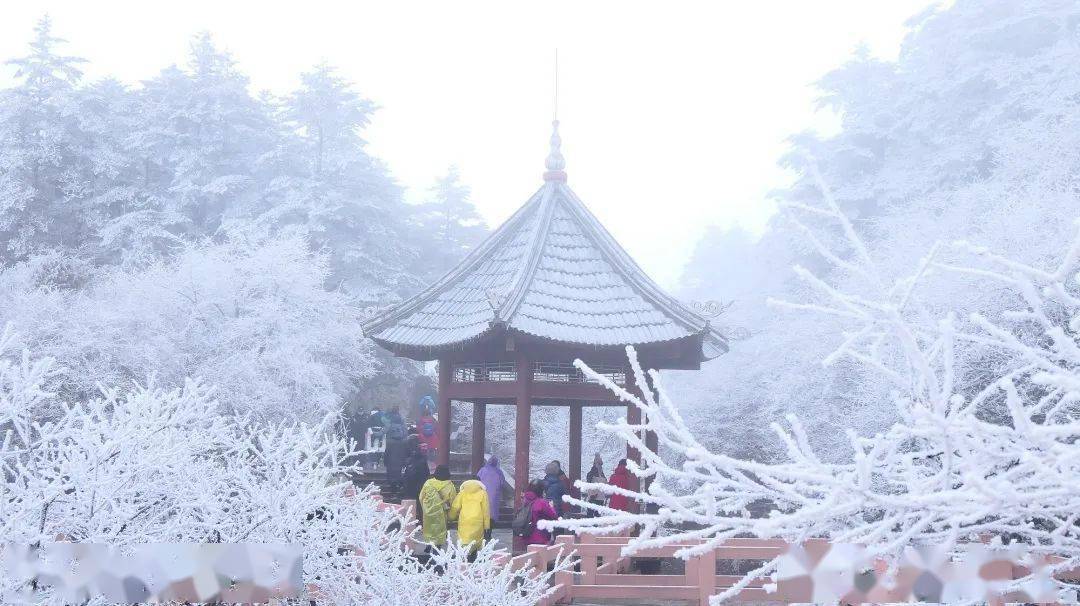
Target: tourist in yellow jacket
435	498
470	509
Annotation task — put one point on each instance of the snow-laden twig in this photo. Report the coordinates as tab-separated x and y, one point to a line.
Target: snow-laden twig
157	465
951	469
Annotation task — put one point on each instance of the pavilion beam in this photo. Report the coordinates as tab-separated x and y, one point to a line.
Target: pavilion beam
479	435
443	455
522	424
575	442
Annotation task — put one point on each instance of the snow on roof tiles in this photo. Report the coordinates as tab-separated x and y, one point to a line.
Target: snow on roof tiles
551	271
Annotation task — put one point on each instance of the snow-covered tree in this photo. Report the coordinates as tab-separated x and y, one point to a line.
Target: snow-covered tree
44	168
330	188
249	316
985	442
104	186
969	134
203	135
450	221
164	465
127	221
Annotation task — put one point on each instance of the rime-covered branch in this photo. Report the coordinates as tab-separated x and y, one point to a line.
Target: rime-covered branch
156	465
997	461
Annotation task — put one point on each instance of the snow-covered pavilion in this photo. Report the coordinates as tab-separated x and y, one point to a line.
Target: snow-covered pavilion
549	286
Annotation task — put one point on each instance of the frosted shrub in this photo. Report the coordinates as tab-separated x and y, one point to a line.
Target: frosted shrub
159	465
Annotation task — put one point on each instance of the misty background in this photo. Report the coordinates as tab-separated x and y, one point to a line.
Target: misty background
225	192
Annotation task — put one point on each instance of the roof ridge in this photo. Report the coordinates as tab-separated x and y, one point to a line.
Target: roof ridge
405	308
527	272
629	269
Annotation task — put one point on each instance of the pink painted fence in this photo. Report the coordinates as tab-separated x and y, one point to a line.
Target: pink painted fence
604	572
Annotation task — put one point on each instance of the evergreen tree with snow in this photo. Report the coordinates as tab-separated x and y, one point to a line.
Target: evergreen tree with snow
451	222
970	134
44	151
146	195
336	193
203	137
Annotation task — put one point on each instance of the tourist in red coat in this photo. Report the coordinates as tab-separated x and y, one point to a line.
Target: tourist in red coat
620	478
427	427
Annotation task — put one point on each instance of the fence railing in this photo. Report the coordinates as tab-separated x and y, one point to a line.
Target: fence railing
484	372
543	372
604	576
565	372
603	572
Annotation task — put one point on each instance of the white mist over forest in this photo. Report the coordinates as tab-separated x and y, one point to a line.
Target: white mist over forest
186	243
489	112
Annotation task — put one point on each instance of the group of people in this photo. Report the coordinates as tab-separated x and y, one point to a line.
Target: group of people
407	453
473	507
543	498
385	439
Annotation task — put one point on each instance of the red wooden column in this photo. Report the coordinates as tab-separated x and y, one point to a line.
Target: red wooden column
443	456
523	402
575	442
479	429
652	441
633	417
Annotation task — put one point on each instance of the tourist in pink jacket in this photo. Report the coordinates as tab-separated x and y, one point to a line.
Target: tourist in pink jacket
541	510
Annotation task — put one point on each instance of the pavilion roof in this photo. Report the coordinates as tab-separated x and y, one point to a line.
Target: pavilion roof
550	271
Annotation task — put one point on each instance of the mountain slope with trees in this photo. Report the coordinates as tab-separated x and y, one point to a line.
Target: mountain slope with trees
969	135
203	230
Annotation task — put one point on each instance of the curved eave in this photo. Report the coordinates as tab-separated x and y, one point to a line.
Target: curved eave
713	345
707	345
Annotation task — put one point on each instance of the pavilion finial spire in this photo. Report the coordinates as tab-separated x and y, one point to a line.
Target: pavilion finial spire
555	163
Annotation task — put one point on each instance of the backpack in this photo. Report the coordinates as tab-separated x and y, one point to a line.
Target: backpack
427	428
396	431
523	522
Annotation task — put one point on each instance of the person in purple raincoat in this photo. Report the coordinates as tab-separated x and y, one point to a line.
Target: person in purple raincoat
492	478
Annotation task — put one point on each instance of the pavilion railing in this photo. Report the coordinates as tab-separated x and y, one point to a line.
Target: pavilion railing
565	372
545	372
484	372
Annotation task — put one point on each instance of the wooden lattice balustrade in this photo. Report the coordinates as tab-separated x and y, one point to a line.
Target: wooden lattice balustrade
542	372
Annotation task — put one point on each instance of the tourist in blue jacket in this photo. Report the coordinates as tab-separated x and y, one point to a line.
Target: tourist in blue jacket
554	488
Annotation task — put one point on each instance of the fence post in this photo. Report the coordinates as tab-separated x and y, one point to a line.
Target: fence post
538	558
706	576
588	569
565	580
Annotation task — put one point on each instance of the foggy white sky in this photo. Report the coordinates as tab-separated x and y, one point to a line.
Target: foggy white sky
673	113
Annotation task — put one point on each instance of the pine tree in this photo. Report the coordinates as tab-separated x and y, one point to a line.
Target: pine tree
44	169
451	223
202	137
337	194
972	133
